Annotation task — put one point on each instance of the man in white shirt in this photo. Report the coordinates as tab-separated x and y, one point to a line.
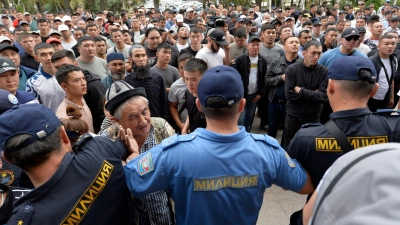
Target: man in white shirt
216	52
183	36
67	40
120	46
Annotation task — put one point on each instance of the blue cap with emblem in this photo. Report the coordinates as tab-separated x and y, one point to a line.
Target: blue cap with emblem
221	81
352	68
7	100
42	122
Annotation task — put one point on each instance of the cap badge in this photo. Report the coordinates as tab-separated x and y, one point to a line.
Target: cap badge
5	64
353	32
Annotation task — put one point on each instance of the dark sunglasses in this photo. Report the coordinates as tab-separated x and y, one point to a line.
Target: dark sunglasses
355	38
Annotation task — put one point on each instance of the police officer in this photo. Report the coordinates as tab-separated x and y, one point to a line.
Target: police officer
350	85
85	186
220	166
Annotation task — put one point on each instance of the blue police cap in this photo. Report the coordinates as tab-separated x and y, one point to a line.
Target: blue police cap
349	67
33	119
221	81
7	100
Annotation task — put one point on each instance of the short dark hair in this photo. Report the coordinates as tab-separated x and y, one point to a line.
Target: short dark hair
62	54
330	23
195	30
309	23
312	43
358	89
163	46
373	19
42	45
184	57
80	29
194	65
241	33
4	27
179	28
91	25
330	29
15	30
24	35
312	5
97	39
219	113
267	27
148	30
42	20
387	36
63	72
84	38
115	31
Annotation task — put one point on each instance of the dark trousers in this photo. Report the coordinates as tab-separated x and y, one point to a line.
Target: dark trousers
374	104
263	110
292	125
276	116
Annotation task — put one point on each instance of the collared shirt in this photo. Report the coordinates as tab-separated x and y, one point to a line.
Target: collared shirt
83	109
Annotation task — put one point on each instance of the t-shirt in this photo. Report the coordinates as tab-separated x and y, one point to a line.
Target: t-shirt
177	94
83	109
190	23
170	74
196	118
328	57
98	66
212	59
364	49
124	51
382	81
270	54
188	50
180	47
136	37
235	51
253	75
151	56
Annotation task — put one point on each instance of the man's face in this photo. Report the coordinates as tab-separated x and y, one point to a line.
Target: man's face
190	15
78	34
286	32
161	24
101	47
362	36
180	68
304	38
347	25
19	16
377	28
43	27
76	84
44	56
331	37
253	48
56	24
63	62
195	38
312	55
240	42
153	39
183	33
135	23
87	49
37	38
12	55
118	38
340	26
387	46
136	116
26	27
28	44
192	80
164	55
360	23
57	46
81	24
49	17
9	81
65	33
99	22
292	45
80	11
139	57
331	18
269	36
316	29
28	17
127	38
74	19
349	43
394	24
117	69
5	20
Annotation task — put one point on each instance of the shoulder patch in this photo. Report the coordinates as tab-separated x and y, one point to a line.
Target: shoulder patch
175	139
311	125
145	164
82	139
266	139
290	161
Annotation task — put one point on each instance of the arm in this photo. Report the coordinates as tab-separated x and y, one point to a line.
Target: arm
273	79
94	100
391	101
308	208
227	61
185	129
318	95
290	83
173	108
164	99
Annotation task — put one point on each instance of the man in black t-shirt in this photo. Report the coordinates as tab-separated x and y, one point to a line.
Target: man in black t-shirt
189	19
193	72
195	37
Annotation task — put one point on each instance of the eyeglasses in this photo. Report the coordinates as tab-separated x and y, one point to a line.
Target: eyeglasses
349	38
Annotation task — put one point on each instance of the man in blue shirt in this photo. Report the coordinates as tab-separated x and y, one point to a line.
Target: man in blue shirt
221	166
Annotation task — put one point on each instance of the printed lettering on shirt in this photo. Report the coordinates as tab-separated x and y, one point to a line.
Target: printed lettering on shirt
331	145
89	196
217	183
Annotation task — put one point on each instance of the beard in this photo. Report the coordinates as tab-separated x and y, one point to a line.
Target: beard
141	72
118	76
184	38
213	49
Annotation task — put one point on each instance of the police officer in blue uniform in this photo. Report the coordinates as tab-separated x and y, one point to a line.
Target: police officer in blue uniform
85	186
351	83
220	169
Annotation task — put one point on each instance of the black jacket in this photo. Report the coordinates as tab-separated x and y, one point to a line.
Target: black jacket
242	65
307	104
274	75
94	98
375	59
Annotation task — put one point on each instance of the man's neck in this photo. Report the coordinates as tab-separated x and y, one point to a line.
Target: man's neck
50	70
375	36
103	56
120	46
383	56
269	45
162	65
195	47
222	127
86	59
67	39
290	56
31	53
136	29
43	34
182	41
345	51
77	99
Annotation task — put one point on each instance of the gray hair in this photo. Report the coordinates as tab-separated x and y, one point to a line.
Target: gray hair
118	110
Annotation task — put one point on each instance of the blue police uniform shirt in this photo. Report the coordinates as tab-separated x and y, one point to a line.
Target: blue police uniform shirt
316	150
328	57
208	174
88	187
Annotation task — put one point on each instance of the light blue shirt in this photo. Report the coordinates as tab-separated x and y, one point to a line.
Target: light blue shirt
328	57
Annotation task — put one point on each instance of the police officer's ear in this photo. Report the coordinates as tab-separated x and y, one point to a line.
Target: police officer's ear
331	86
198	105
63	136
375	90
242	104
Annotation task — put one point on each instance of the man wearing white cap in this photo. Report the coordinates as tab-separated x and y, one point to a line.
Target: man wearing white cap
179	23
67	40
189	19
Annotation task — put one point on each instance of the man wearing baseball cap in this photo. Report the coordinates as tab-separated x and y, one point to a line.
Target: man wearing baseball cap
189	19
67	40
182	167
216	51
41	143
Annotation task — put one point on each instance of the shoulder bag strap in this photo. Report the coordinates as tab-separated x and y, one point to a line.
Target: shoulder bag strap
340	137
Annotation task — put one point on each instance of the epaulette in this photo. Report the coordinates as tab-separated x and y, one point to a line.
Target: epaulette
387	112
175	139
82	139
266	139
311	125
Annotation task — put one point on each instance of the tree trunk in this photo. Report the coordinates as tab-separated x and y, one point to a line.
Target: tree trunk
67	5
5	4
102	5
39	6
156	4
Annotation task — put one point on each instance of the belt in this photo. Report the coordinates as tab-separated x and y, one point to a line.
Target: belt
279	101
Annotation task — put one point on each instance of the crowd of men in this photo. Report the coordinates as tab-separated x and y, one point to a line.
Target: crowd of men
136	78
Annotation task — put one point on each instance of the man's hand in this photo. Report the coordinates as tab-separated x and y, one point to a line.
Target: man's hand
255	99
391	102
297	89
283	77
226	48
130	143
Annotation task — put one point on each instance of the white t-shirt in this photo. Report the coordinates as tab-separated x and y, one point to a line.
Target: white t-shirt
180	47
212	59
125	51
253	75
383	82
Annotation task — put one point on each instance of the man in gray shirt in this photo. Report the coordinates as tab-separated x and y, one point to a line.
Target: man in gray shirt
88	60
170	73
239	46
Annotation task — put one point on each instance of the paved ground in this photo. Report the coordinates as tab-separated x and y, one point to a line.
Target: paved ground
278	204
